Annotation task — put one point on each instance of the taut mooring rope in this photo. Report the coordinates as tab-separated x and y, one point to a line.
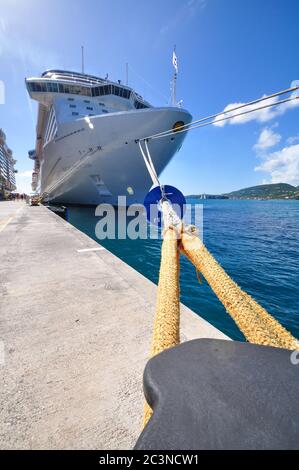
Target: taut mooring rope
212	118
257	325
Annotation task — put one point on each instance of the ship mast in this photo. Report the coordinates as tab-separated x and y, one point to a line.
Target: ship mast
127	73
82	58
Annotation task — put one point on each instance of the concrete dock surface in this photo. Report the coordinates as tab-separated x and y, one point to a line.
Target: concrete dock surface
74	338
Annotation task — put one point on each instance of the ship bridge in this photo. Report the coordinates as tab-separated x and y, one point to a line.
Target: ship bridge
53	82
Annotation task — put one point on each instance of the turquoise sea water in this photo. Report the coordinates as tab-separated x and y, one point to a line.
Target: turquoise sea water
257	242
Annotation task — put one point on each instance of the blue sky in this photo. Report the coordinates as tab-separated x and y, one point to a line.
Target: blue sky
229	51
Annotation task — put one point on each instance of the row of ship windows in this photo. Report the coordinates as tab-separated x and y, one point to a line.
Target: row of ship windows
86	101
137	104
87	107
75	113
111	90
80	90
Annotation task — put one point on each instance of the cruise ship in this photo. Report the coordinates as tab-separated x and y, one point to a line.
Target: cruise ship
87	144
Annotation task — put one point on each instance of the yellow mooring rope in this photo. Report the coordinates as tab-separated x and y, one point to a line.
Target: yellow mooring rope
166	331
257	325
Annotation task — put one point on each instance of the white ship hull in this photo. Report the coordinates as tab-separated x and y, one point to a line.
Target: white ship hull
95	160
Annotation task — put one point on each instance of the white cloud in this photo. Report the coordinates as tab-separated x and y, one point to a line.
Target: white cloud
262	115
267	138
25	174
283	165
23	181
292	140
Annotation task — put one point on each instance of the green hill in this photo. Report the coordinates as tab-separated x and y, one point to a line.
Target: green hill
266	191
263	191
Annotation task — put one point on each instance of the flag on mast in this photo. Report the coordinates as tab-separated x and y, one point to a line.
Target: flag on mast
175	61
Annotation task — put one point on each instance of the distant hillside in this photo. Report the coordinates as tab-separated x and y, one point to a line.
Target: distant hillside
207	196
263	191
266	191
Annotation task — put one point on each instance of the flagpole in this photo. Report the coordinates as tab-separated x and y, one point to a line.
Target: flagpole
174	101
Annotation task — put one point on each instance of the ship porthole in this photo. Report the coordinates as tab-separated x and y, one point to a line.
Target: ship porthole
178	126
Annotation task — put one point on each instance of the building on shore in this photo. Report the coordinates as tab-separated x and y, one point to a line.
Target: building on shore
7	170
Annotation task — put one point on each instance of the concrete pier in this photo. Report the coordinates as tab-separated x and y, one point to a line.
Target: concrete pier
75	335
